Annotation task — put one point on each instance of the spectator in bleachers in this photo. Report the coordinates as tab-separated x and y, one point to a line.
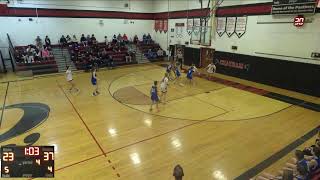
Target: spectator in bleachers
119	38
47	41
160	53
45	53
38	42
114	39
151	54
128	57
63	41
30	54
93	39
135	39
149	39
89	42
74	39
144	38
68	38
106	41
125	39
83	39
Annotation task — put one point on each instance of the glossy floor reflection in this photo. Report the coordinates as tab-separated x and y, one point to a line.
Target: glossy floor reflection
213	131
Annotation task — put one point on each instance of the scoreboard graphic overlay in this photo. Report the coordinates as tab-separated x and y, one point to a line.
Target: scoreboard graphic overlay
27	161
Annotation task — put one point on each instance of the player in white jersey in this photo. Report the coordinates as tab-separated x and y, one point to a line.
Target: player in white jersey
211	69
164	88
70	79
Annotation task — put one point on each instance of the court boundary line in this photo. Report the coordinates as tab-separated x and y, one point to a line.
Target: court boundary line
88	129
4	103
80	117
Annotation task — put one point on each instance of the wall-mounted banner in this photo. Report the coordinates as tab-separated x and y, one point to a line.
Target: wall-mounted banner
179	30
241	26
165	25
189	26
221	25
160	26
156	25
293	6
231	25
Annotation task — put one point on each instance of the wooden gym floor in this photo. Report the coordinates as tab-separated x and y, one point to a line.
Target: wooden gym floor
212	130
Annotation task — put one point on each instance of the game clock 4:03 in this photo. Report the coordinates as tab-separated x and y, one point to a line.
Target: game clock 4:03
27	162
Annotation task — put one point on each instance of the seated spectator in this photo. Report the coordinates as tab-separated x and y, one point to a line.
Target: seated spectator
160	52
144	38
68	38
114	39
89	42
93	39
125	39
39	42
74	39
45	53
83	39
128	58
149	39
150	54
63	41
119	38
47	41
135	39
106	40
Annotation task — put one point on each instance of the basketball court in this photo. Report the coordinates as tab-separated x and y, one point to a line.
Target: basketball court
212	130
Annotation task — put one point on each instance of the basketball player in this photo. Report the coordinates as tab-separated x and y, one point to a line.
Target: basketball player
178	74
164	88
211	69
154	96
168	70
70	79
94	81
190	72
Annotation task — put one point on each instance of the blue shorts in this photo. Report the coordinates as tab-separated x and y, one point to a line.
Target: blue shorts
154	98
93	81
189	76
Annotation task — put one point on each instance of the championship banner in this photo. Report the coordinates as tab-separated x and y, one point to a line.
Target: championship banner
241	26
196	26
221	25
179	30
231	26
156	25
160	26
189	26
165	25
293	7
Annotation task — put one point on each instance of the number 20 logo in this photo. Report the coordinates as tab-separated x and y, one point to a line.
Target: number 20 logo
299	21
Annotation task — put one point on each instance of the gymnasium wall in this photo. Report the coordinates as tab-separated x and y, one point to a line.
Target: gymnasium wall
99	5
72	21
266	38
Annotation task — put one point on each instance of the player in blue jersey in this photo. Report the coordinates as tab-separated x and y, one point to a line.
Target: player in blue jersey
94	82
154	95
190	72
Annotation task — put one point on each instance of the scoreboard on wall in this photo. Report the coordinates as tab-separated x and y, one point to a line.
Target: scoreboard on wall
27	161
293	6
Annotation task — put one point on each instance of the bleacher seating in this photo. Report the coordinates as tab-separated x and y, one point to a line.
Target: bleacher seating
145	47
80	55
40	65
